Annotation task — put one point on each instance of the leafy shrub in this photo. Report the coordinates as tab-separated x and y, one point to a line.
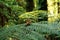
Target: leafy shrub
34	15
10	11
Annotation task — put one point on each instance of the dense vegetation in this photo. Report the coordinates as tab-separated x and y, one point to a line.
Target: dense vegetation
21	20
36	31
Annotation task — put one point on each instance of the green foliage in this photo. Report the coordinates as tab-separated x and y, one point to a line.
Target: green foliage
11	11
34	15
13	8
15	12
36	31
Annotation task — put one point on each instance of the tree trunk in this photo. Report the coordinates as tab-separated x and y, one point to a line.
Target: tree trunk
52	10
59	6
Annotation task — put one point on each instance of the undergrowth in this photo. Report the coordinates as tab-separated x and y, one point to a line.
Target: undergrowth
36	31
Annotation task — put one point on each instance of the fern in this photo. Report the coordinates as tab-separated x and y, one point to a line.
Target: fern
35	31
